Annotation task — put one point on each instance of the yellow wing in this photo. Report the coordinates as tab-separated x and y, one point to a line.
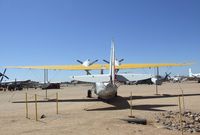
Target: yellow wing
61	67
97	66
130	66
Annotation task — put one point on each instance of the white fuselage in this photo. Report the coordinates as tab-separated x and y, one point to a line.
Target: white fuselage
196	75
105	90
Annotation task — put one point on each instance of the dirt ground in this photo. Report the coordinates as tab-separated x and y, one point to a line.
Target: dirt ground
80	115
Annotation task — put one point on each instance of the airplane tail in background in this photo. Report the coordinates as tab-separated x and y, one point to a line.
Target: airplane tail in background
190	72
112	63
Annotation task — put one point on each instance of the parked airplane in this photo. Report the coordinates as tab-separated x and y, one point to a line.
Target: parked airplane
104	84
196	76
178	78
19	85
15	84
155	79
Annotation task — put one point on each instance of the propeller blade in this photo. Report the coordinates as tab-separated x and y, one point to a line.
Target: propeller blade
6	77
106	61
4	71
1	79
167	73
167	76
93	62
88	72
3	75
121	60
79	61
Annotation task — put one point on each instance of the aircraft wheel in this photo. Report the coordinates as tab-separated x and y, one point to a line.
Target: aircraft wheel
116	94
198	81
89	93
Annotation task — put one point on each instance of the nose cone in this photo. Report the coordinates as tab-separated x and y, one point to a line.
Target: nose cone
86	63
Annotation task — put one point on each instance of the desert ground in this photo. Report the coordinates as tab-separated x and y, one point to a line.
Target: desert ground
81	115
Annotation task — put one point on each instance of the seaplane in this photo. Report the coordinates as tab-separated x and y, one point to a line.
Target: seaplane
104	85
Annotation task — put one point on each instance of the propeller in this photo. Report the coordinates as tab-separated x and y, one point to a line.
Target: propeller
106	61
116	61
2	75
79	61
88	72
93	62
87	63
167	76
121	60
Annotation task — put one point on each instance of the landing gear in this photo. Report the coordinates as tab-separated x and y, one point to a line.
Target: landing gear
89	93
116	94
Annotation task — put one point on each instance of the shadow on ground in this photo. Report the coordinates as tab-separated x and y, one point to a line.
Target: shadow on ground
119	103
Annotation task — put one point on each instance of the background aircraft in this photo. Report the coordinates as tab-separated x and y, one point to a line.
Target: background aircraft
15	85
195	76
155	79
178	78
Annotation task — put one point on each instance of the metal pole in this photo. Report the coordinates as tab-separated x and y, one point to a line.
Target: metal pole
47	75
156	89
45	81
183	99
131	106
26	98
56	103
180	111
46	93
36	115
157	74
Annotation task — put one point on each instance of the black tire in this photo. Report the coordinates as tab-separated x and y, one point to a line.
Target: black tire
89	93
136	121
116	94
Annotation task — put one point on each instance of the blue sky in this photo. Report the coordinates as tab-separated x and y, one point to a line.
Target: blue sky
51	32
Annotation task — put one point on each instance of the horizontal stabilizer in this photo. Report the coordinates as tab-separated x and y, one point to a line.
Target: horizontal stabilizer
133	77
91	78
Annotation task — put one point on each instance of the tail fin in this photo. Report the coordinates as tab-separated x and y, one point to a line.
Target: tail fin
112	63
190	72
